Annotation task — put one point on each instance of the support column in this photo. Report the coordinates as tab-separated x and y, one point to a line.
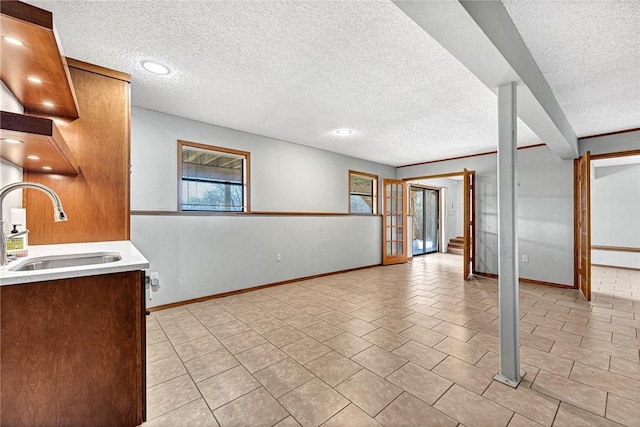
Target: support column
508	237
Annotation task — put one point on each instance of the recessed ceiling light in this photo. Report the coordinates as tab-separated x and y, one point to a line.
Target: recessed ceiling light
34	80
344	132
155	68
47	168
47	104
33	157
13	41
12	141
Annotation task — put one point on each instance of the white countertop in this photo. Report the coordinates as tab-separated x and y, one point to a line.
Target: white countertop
131	260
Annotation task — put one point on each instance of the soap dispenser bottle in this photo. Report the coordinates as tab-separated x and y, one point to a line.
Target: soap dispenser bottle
17	246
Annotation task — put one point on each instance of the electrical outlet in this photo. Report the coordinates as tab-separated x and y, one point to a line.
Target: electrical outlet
525	258
155	278
278	257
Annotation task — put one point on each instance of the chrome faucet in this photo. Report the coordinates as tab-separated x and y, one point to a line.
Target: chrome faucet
58	212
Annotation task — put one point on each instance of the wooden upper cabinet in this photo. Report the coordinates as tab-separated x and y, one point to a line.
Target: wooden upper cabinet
97	199
38	58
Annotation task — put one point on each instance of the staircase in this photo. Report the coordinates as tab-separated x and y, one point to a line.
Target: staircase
456	246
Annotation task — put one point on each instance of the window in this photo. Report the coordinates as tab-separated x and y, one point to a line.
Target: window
363	190
212	178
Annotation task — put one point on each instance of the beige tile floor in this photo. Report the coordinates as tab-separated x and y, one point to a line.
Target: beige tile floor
405	345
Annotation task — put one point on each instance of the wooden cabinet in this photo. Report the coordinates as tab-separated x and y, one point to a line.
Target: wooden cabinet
97	199
77	123
72	352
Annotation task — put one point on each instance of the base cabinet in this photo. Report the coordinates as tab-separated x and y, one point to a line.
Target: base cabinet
72	352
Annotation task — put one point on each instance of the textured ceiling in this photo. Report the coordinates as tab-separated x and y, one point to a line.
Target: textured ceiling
293	70
589	53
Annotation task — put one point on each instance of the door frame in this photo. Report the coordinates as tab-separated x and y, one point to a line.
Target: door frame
576	210
469	255
469	203
410	212
582	225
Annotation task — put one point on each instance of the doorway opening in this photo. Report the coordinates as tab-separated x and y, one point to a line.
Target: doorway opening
425	208
606	233
455	211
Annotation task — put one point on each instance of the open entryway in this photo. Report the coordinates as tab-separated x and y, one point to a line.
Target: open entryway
441	214
607	238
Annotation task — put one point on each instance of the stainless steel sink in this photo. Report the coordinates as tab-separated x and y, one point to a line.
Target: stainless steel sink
62	261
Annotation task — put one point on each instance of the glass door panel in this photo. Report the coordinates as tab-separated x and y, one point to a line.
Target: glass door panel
417	207
425	208
430	220
394	240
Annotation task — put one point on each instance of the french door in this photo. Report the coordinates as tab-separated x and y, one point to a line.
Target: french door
583	203
425	207
469	224
394	222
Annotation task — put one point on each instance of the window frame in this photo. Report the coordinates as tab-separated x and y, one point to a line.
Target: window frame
246	184
375	180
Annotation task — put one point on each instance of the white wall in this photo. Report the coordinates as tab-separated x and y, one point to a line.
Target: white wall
10	173
545	203
284	176
615	213
203	255
610	144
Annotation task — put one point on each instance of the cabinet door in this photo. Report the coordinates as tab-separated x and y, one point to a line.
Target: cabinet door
71	351
97	199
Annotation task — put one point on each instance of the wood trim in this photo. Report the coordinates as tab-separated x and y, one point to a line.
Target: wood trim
584	225
610	133
466	235
26	12
128	195
465	157
576	221
247	172
255	288
427	187
614	248
96	69
525	280
179	177
261	213
284	213
540	282
213	148
375	191
616	154
441	175
615	266
473	221
370	175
